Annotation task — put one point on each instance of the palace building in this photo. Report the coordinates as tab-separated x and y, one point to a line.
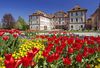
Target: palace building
40	21
60	20
77	17
74	19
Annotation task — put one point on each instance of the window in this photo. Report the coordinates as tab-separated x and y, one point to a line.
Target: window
81	19
45	27
62	22
76	20
71	14
34	17
81	13
59	19
59	22
76	14
81	26
31	22
62	19
31	27
71	27
78	8
37	27
71	20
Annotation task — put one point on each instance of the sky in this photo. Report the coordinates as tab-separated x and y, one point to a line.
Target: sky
24	8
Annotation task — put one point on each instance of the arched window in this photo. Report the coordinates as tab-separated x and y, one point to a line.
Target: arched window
71	26
81	26
45	27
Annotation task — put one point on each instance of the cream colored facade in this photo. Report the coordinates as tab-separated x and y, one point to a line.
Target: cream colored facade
77	17
74	19
40	21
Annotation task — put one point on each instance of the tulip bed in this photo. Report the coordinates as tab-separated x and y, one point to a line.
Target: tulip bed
55	50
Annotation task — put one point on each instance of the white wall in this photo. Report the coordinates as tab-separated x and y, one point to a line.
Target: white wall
40	22
34	27
76	26
45	22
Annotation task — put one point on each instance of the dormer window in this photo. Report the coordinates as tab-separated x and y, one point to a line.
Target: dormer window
78	8
73	9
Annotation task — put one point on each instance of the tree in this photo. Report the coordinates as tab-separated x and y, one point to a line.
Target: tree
21	24
0	25
8	21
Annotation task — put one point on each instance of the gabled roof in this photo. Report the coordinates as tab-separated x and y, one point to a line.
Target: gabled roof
40	13
62	14
77	8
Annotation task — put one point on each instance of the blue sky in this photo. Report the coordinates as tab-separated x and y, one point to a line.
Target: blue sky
26	7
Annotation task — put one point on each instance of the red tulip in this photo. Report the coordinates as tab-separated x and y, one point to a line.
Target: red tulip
50	59
91	51
64	32
67	61
17	31
18	62
56	56
57	41
45	53
85	54
54	37
5	38
35	50
90	42
59	49
26	61
30	54
70	41
8	56
77	40
15	35
77	46
86	49
11	31
50	39
63	44
92	38
1	33
86	38
49	47
9	61
79	58
98	48
70	50
88	66
98	41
